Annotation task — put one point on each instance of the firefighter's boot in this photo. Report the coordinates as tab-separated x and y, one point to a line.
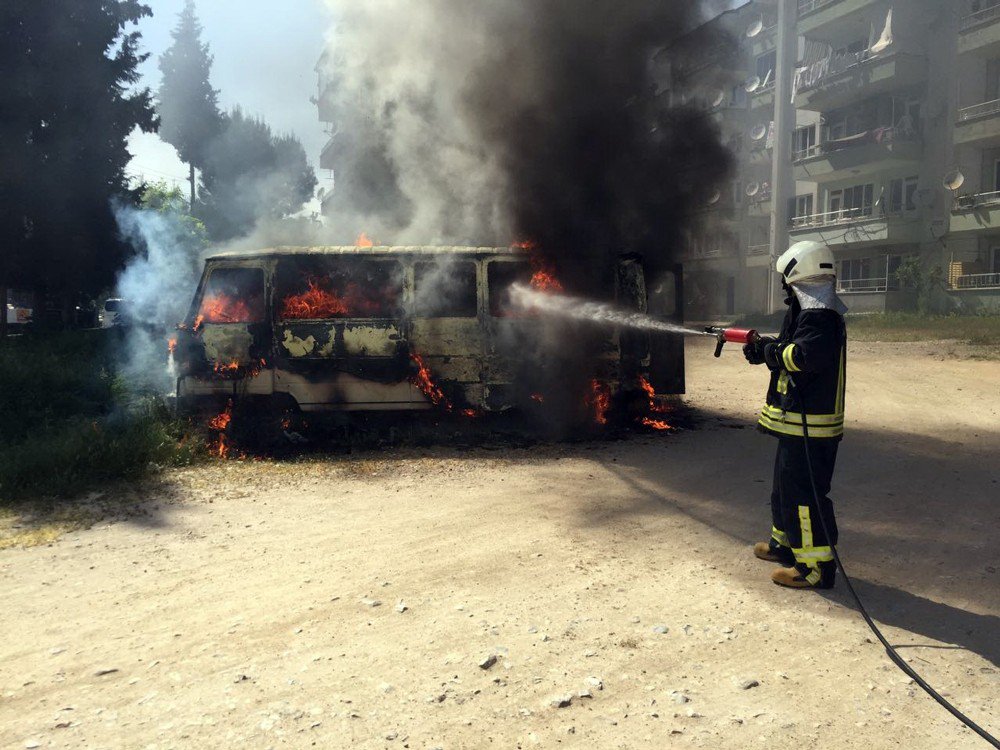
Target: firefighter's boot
802	577
773	553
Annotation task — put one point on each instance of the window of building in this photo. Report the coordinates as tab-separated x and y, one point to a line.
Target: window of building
803	141
801	206
445	290
902	195
766	64
995	260
853	201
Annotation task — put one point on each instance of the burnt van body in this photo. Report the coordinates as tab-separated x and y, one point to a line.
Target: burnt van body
330	329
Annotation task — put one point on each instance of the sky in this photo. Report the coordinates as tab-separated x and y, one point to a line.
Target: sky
265	54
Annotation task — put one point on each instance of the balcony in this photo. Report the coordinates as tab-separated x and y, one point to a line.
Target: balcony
976	213
868	286
857	227
758	255
979	124
978	281
763	97
863	154
816	17
327	157
836	82
980	31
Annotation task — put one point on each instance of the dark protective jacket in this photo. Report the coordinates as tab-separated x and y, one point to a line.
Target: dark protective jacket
812	351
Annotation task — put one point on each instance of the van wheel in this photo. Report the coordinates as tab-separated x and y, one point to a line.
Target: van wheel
264	424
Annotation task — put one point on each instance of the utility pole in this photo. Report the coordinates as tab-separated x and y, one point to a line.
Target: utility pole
782	176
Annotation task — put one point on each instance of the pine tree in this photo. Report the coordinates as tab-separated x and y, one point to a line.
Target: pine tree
252	175
186	102
69	104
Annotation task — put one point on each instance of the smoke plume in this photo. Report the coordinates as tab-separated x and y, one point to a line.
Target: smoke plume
543	120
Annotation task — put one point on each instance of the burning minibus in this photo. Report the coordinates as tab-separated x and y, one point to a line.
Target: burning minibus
381	329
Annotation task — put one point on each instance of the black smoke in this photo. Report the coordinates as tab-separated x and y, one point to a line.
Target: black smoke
541	120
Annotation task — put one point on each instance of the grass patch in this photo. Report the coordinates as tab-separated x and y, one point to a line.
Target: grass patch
976	330
68	423
980	331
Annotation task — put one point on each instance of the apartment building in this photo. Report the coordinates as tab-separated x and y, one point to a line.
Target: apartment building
889	150
870	125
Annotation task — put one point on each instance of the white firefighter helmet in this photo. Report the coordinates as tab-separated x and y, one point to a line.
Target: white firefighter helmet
804	261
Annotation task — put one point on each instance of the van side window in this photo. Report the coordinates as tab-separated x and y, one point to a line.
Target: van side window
500	276
233	295
331	288
444	290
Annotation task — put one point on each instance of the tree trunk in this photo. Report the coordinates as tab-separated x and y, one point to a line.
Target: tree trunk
191	178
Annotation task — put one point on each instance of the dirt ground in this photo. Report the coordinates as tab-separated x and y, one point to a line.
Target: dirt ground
359	601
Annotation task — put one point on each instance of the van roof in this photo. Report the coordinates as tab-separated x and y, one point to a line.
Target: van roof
367	251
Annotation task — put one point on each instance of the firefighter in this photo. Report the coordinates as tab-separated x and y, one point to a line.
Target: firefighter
808	364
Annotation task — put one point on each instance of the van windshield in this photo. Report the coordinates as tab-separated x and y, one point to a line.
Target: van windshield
233	295
501	276
330	288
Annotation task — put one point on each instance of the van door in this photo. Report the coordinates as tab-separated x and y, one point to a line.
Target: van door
445	331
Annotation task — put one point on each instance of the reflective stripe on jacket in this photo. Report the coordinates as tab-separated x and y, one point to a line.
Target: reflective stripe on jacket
812	350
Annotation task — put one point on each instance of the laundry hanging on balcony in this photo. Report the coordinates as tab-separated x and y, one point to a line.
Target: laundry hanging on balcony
821	61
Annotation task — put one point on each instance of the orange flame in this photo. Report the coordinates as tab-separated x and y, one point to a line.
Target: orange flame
221	308
220	423
319	302
655	407
525	245
544	277
364	241
172	345
425	382
599	400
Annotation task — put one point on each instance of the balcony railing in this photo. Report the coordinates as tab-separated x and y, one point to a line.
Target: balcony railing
866	285
831	218
971	202
978	281
986	15
880	136
809	6
986	109
759	249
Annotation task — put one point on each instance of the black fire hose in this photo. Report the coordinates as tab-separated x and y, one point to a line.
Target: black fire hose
890	651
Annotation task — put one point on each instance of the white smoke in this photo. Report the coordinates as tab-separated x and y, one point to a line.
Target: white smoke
400	88
157	286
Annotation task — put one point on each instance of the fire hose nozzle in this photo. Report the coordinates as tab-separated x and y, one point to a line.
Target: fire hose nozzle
731	336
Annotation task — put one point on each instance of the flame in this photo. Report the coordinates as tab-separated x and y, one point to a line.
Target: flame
198	322
220	423
172	345
525	245
221	308
655	407
425	382
227	368
599	400
364	241
538	397
319	302
544	277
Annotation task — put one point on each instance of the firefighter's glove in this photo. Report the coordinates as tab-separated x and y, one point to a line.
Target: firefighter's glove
772	356
756	352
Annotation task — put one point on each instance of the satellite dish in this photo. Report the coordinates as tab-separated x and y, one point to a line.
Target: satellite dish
954	180
752	85
720	97
714	198
755	28
759	132
752	189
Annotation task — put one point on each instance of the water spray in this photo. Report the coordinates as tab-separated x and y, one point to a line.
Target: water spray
578	308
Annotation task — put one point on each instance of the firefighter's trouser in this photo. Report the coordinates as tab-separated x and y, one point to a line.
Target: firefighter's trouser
795	516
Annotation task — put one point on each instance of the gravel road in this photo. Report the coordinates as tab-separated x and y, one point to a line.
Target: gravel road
597	595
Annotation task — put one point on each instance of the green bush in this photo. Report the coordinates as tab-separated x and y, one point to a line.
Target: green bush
67	421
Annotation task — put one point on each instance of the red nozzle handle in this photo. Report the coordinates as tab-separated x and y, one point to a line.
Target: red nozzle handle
741	335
